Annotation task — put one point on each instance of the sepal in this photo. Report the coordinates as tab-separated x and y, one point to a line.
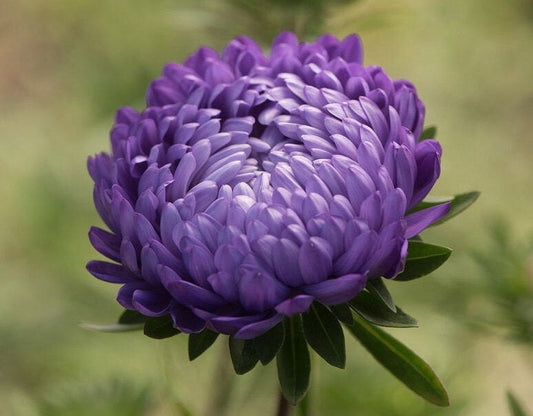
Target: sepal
200	342
268	344
243	354
160	327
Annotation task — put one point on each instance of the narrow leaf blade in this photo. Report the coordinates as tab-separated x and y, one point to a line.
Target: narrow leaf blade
324	334
368	307
293	362
403	363
378	287
243	355
458	204
343	313
268	344
160	328
422	259
514	405
111	327
199	343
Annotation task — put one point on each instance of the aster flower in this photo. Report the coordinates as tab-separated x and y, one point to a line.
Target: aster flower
255	186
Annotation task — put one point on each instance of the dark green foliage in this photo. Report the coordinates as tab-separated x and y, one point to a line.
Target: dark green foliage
268	344
199	343
293	362
403	363
422	259
243	355
160	328
369	307
324	334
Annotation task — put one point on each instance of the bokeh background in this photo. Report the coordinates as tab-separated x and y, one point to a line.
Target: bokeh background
65	66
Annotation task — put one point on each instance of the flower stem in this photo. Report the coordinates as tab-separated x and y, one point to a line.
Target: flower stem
284	408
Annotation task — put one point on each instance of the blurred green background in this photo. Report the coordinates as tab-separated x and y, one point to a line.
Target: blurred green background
65	66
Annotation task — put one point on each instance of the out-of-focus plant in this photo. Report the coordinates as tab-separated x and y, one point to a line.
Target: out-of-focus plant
304	17
508	283
111	398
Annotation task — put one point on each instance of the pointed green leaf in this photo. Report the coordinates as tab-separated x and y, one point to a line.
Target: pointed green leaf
294	365
368	306
111	327
160	328
377	286
429	133
422	259
514	405
324	334
268	344
403	363
243	355
458	204
200	342
129	317
128	321
343	313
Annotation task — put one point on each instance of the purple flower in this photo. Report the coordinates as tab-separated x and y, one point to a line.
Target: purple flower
253	185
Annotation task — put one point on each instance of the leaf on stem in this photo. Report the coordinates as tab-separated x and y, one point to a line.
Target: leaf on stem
369	307
458	204
422	259
403	363
324	334
200	342
243	355
293	362
377	286
268	344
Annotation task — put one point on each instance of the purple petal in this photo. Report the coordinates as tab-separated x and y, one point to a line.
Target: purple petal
297	304
338	290
315	260
105	243
151	302
255	329
110	272
185	320
419	220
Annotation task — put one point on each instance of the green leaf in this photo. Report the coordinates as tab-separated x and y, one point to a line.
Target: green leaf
422	259
128	321
267	345
429	133
514	405
369	307
243	355
458	204
111	327
294	365
343	313
199	343
130	317
160	327
377	286
403	363
324	334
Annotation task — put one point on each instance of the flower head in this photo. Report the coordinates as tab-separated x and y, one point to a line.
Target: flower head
253	185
